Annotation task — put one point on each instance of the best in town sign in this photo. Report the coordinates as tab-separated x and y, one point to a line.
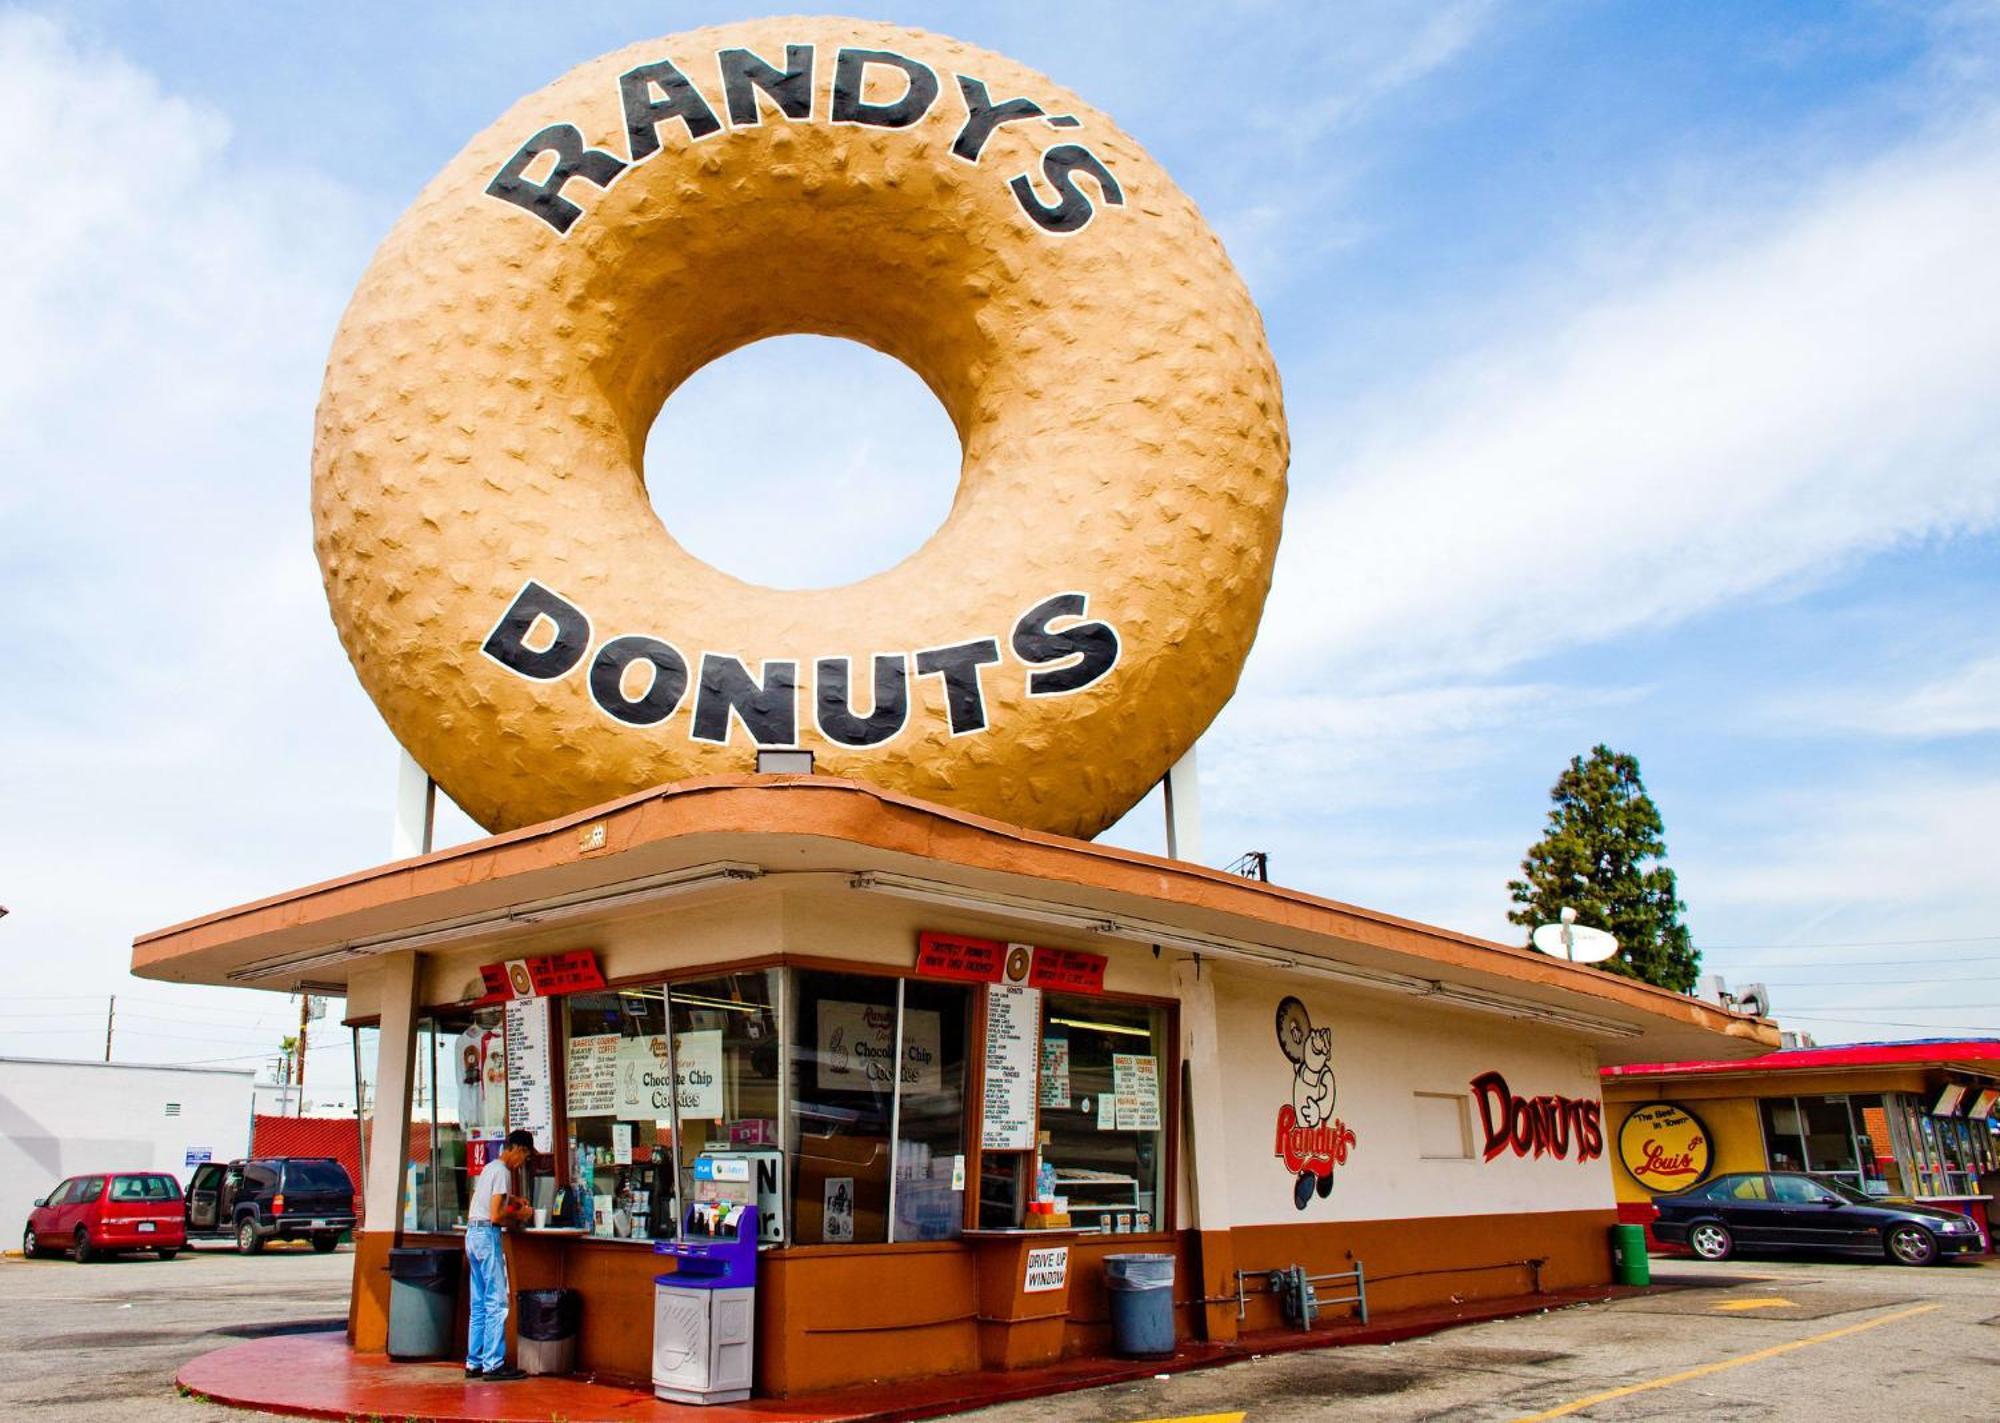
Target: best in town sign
1664	1147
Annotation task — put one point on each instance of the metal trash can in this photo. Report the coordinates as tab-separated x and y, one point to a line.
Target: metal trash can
1629	1265
423	1294
545	1330
1141	1288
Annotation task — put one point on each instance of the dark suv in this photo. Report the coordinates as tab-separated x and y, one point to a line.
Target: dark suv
271	1197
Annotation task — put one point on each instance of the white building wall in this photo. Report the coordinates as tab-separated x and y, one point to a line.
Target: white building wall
60	1119
1384	1052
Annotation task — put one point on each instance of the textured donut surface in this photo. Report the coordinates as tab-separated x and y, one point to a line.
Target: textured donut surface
533	633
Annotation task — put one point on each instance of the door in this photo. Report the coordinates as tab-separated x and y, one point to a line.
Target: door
1809	1215
1747	1209
48	1217
204	1197
226	1199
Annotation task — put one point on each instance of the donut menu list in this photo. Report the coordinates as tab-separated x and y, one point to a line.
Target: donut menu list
530	1092
1013	1025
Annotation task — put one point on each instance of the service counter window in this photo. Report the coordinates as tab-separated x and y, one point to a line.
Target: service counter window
930	1112
656	1075
843	1091
367	1052
1102	1110
458	1113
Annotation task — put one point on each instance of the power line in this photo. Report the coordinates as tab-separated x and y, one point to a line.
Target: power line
1861	963
1863	943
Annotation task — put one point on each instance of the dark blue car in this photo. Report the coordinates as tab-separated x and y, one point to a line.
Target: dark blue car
1754	1211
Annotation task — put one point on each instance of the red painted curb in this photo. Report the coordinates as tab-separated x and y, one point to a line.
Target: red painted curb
318	1376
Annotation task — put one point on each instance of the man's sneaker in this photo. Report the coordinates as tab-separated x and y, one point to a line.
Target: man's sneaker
473	1373
503	1375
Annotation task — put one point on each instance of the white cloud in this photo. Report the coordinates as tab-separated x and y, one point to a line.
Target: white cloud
184	729
1962	702
1759	415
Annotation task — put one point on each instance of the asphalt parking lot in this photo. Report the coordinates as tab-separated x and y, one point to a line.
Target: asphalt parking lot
1773	1341
1824	1341
103	1341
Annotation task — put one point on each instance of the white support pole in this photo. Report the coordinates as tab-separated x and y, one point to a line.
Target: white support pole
416	809
395	1062
1183	796
1206	1149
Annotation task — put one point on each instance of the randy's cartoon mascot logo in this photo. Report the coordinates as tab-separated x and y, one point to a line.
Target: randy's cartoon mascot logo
1311	1139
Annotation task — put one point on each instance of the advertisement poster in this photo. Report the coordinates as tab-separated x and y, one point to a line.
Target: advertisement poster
857	1040
1135	1083
1013	1022
1055	1072
593	1075
530	1093
644	1092
621	1143
839	1211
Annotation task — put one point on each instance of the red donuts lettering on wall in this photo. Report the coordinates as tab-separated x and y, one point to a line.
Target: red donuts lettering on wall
1537	1126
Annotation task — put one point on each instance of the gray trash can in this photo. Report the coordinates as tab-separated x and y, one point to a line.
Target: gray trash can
423	1292
1142	1304
545	1330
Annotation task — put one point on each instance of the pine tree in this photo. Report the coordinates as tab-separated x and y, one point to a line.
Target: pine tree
1604	856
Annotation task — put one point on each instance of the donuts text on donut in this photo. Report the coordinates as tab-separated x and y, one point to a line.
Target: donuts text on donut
659	93
641	679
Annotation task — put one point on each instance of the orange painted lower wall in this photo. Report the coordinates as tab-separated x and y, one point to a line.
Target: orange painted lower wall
833	1316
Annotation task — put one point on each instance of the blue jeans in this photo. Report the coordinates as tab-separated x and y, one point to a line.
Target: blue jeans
486	1327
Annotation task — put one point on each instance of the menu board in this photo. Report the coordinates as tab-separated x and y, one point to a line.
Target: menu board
530	1094
1013	1026
593	1075
1135	1086
1055	1072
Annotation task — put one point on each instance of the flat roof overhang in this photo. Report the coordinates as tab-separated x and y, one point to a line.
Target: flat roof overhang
1977	1057
707	838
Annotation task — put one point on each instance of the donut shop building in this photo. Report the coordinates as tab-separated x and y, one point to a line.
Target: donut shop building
895	1026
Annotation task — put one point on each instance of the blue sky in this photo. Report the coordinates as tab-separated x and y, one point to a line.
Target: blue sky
1640	366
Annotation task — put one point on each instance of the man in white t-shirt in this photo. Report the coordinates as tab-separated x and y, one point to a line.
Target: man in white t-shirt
494	1205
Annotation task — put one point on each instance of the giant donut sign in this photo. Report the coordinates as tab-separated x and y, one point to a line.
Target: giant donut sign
539	640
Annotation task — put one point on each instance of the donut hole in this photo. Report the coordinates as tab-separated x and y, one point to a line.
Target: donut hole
802	462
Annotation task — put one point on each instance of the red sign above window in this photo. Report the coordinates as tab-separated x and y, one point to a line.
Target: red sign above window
970	960
548	976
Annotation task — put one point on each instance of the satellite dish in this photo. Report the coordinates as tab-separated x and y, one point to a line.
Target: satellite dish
1576	942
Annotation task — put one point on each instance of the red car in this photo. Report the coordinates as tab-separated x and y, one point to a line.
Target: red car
95	1216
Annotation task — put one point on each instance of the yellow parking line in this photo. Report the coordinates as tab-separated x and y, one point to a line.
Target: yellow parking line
1200	1418
1668	1380
1771	1303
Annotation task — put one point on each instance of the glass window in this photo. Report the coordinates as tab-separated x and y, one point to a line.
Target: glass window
726	1054
90	1189
61	1194
145	1188
619	1094
316	1176
1784	1139
843	1086
1798	1191
1874	1147
1829	1137
458	1097
656	1075
1103	1109
1748	1188
930	1113
367	1055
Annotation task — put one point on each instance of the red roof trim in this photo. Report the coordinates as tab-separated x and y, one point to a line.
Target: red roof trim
1932	1052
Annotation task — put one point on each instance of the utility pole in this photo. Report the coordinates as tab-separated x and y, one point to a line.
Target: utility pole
305	1018
110	1016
